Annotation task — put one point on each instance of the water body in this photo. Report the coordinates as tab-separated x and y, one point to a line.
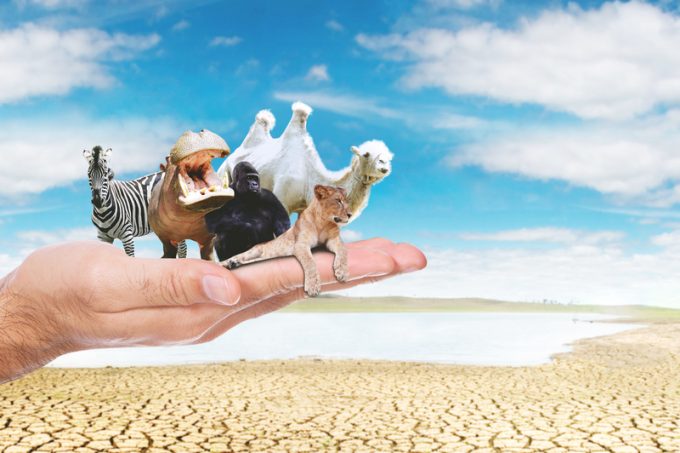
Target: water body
510	339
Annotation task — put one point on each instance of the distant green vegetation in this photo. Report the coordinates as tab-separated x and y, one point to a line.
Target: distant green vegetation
336	304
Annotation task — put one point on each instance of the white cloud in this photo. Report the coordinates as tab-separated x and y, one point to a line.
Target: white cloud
345	104
181	25
350	235
52	149
226	41
318	73
38	60
637	160
248	67
670	239
52	4
455	121
367	108
615	62
461	4
546	234
334	25
580	274
32	239
8	263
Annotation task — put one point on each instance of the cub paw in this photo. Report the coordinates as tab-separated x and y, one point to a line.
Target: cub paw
231	263
312	287
342	273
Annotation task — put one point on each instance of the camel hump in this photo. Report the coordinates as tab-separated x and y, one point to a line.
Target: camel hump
266	119
301	110
260	131
298	122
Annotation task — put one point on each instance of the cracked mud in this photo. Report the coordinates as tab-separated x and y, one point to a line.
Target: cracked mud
613	394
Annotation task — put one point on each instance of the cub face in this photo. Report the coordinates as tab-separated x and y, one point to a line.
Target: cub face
333	201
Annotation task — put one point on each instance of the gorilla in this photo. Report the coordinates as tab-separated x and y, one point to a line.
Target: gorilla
254	216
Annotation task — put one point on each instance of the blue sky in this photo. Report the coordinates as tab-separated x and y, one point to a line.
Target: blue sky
536	143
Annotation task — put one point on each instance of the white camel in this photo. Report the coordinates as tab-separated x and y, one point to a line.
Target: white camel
290	165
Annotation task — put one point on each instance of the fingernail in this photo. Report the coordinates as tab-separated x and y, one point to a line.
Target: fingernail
217	289
411	269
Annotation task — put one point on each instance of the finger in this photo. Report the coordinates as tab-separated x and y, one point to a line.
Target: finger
154	326
135	283
265	279
406	258
373	243
409	258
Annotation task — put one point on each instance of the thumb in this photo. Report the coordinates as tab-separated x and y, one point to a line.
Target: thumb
141	283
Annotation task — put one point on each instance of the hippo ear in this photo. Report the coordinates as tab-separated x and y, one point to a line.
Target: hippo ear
87	154
320	191
164	165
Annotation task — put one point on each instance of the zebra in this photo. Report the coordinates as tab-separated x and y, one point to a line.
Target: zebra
120	208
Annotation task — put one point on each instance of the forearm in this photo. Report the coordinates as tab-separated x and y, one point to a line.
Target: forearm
26	340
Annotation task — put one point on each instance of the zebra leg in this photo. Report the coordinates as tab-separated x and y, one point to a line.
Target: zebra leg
128	243
104	237
182	249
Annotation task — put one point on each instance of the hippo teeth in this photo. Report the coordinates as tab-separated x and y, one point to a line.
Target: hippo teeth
183	187
225	180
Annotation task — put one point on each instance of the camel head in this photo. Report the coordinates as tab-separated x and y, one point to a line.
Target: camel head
375	160
194	183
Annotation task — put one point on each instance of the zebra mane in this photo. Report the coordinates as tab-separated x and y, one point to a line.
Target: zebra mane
95	154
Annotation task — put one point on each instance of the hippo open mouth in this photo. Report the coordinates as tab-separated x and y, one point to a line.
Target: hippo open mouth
200	188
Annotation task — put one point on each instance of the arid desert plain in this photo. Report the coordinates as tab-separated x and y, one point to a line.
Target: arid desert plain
619	393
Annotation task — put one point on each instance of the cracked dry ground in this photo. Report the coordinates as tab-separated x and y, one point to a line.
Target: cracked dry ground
619	393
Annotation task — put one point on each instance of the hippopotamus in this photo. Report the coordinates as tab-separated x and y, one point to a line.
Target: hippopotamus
190	189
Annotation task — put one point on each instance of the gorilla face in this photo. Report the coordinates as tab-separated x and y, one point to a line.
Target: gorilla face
246	179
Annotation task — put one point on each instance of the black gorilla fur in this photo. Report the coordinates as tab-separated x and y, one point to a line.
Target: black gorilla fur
254	216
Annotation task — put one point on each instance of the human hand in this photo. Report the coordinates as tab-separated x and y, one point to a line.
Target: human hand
88	295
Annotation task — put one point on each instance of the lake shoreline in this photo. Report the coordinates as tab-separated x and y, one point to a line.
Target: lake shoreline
492	339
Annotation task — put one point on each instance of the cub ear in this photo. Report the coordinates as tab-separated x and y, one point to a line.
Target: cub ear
321	192
342	191
107	153
87	154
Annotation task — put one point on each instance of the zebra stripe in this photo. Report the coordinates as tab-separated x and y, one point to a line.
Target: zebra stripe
124	210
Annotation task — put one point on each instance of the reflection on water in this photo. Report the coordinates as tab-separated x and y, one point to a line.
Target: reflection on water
463	338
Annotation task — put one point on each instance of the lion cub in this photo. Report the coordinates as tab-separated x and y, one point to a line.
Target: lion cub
317	225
